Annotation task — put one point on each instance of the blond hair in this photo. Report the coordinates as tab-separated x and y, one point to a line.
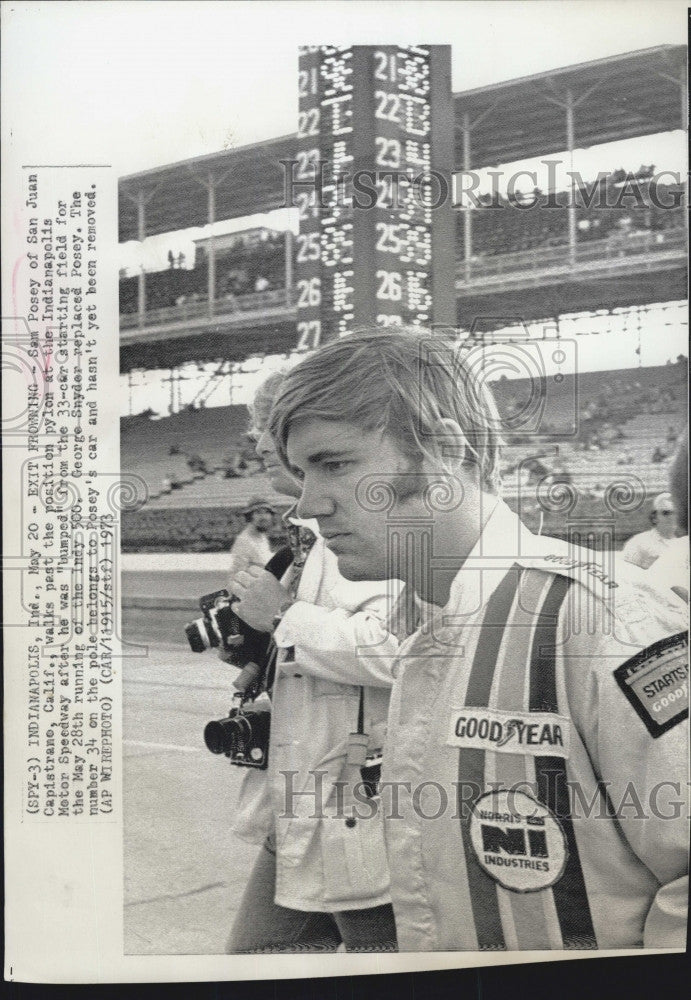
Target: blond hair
264	397
403	383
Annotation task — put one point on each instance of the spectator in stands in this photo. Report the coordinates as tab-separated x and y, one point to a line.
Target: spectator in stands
261	284
302	895
251	547
643	549
244	462
229	468
197	464
238	281
239	465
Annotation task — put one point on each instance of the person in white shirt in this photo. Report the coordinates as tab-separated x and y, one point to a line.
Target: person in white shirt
320	881
643	549
251	547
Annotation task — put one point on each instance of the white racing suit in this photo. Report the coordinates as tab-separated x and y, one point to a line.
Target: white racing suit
538	746
322	863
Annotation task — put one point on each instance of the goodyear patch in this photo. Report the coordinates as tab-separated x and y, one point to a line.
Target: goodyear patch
518	841
656	683
536	734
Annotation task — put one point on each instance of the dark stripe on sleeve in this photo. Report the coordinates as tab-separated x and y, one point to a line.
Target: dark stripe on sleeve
570	894
471	762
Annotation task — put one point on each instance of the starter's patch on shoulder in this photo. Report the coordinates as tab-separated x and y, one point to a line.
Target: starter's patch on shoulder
656	683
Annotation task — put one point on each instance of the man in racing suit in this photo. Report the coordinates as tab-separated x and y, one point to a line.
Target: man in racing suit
549	720
537	748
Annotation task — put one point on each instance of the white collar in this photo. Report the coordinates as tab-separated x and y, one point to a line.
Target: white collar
503	540
302	522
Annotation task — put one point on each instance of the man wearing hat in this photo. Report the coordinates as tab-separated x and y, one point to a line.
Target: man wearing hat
643	549
251	547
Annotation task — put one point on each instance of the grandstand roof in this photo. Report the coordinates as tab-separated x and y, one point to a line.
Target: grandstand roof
620	97
637	93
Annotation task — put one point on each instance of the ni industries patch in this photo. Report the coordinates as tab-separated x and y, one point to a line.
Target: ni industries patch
518	841
656	683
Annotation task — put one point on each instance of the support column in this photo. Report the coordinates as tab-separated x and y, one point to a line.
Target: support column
288	249
211	253
570	141
141	277
467	214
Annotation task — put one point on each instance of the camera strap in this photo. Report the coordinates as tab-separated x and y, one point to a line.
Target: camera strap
278	565
361	712
357	741
270	672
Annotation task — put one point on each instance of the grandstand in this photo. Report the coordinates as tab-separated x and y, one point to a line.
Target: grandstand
238	297
631	411
247	262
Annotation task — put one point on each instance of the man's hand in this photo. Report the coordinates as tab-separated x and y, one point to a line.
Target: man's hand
262	597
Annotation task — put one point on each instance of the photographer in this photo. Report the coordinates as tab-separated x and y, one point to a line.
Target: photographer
251	547
321	878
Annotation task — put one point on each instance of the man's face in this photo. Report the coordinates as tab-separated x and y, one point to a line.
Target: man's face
262	519
279	477
330	459
666	522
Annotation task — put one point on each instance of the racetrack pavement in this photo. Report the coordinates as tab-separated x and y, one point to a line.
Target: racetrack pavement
184	870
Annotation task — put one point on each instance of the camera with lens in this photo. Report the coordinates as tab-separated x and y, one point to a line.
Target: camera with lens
219	623
243	735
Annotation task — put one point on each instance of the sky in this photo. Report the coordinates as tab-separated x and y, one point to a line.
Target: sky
142	84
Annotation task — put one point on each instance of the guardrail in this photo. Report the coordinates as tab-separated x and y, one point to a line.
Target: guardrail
199	308
467	273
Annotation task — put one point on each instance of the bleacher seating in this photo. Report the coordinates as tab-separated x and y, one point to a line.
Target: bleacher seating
237	272
621	207
211	434
186	529
215	490
201	513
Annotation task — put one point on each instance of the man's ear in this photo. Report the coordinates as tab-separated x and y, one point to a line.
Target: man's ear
450	440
